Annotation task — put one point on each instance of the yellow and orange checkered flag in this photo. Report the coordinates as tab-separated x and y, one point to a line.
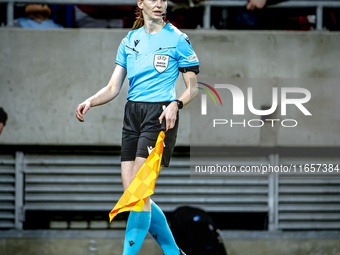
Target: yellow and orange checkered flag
143	185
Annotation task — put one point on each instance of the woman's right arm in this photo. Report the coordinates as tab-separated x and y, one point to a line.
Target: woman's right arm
104	95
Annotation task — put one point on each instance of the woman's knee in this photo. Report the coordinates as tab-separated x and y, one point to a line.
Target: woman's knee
126	173
129	170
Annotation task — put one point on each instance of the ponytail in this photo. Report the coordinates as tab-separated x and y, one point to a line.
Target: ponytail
140	19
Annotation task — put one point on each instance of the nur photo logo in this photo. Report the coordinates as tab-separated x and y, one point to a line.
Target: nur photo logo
239	100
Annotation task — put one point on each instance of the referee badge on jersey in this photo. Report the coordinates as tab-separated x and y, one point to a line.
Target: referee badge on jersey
161	62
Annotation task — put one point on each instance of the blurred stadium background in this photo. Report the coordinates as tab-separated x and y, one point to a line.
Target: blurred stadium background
60	178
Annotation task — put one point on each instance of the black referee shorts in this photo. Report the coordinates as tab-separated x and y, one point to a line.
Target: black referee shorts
141	128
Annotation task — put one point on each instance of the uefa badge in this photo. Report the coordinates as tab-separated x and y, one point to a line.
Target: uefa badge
161	62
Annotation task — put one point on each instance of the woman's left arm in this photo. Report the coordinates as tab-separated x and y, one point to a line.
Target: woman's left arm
170	113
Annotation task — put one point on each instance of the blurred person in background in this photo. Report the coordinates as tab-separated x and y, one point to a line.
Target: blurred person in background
186	3
251	16
103	16
37	16
186	14
248	16
152	55
256	4
3	119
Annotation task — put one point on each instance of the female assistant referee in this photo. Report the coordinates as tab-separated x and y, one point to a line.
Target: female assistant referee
151	56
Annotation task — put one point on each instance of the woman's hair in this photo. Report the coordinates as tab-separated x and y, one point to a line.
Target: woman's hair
140	19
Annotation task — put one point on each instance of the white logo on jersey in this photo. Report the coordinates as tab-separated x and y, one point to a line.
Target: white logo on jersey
192	58
161	62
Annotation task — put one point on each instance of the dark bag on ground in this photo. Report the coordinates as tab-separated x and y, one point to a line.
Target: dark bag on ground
195	233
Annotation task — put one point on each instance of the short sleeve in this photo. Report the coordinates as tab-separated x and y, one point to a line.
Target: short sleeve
121	54
186	56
